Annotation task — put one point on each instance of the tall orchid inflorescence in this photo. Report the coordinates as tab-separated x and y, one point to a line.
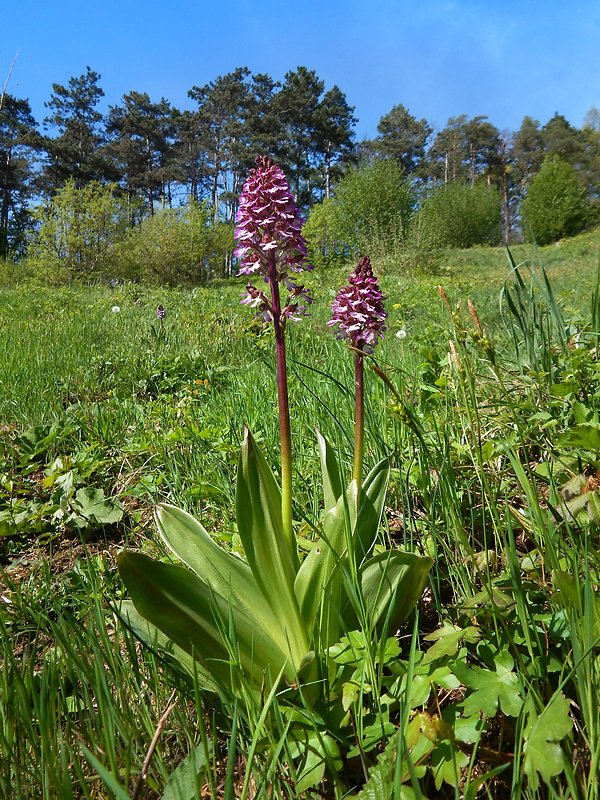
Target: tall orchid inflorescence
359	311
268	230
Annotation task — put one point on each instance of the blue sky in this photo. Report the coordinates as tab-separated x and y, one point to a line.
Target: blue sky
439	58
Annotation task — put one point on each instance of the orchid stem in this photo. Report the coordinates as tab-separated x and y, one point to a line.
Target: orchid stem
359	418
284	408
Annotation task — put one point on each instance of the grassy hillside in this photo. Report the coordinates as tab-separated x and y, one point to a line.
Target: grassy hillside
490	422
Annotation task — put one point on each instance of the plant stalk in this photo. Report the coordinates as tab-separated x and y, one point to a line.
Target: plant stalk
284	406
359	417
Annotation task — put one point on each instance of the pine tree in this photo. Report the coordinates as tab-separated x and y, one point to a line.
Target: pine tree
191	157
76	151
403	137
334	135
560	138
465	149
298	105
142	135
528	149
18	141
484	148
262	122
221	116
448	155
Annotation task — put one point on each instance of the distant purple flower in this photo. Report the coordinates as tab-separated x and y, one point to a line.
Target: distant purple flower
358	309
160	313
270	243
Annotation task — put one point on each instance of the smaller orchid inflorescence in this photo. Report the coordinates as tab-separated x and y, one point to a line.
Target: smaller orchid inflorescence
358	309
160	313
268	230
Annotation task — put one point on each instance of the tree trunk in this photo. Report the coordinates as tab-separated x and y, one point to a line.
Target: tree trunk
215	189
149	177
4	211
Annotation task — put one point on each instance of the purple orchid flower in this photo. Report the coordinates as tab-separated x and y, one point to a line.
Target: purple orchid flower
358	309
270	243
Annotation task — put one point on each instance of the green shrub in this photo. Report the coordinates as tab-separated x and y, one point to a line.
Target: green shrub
422	251
325	248
458	215
176	247
76	233
554	205
372	208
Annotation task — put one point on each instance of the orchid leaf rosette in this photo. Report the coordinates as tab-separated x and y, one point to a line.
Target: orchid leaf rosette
241	623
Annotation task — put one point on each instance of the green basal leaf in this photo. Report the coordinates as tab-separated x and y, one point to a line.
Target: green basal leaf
339	551
157	640
272	556
259	484
332	481
392	583
317	593
226	574
372	501
213	630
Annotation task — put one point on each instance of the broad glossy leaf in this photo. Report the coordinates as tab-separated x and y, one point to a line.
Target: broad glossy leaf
332	481
318	595
260	481
392	583
320	582
183	607
226	574
372	501
157	640
272	557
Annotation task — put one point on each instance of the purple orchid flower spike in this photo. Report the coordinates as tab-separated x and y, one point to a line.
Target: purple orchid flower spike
359	311
270	243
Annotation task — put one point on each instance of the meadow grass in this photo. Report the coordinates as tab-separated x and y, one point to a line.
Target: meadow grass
493	689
